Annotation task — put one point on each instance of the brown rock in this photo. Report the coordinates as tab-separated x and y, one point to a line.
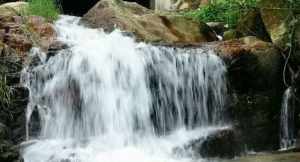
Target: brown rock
21	33
276	17
251	24
145	24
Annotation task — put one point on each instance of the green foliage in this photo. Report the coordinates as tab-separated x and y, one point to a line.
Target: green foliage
45	8
227	11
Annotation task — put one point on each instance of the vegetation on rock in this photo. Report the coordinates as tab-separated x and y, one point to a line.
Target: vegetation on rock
45	8
227	11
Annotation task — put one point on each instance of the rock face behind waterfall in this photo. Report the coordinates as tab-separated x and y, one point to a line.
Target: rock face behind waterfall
255	75
145	24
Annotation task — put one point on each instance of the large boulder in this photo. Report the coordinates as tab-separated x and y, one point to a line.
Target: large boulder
253	62
145	24
276	16
251	24
255	76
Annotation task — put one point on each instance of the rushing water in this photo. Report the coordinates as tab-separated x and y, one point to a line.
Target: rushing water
110	99
287	137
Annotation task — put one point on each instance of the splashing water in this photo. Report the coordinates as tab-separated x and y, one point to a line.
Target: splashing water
287	138
110	99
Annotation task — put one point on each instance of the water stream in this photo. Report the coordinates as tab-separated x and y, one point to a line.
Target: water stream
108	98
287	137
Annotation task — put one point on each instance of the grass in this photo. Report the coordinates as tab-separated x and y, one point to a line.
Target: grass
45	8
227	11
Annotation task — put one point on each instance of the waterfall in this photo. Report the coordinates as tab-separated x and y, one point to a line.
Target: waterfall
108	98
287	137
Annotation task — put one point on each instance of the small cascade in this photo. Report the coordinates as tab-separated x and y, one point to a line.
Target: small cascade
287	137
110	99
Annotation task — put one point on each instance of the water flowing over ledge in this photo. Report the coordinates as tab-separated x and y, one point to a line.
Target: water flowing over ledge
287	137
110	99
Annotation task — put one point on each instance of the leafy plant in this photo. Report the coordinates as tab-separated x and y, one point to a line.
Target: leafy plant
45	8
227	11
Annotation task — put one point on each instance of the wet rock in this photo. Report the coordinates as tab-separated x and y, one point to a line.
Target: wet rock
222	143
145	24
252	63
55	47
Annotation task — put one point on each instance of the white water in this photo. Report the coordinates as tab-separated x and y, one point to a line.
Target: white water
110	99
287	138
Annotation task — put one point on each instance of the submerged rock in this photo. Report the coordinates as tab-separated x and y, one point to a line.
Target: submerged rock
145	24
222	143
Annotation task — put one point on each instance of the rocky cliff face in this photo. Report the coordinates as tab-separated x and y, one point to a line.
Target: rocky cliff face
18	35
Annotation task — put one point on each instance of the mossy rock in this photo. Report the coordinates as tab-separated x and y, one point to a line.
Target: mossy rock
230	34
276	16
251	24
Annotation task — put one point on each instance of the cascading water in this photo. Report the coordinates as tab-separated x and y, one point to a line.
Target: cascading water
287	137
110	99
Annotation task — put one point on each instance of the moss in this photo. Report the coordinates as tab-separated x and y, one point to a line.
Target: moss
230	34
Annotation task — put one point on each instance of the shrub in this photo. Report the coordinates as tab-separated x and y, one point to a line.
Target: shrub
227	11
45	8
